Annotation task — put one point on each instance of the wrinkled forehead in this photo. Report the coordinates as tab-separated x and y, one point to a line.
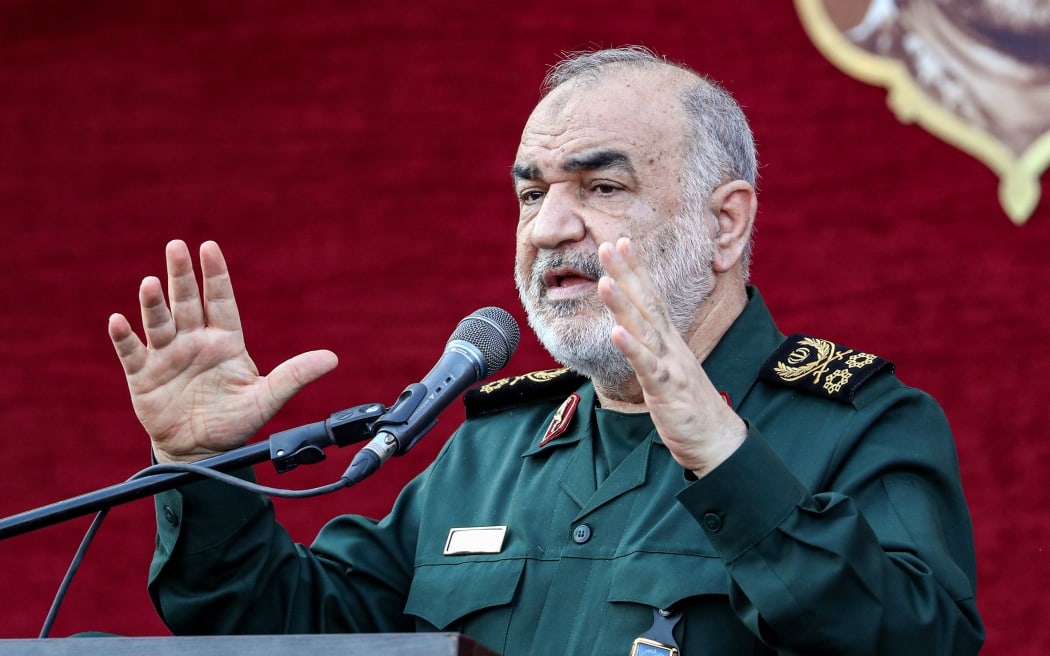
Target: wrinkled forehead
641	107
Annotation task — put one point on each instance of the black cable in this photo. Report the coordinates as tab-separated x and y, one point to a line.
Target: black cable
165	468
73	567
174	467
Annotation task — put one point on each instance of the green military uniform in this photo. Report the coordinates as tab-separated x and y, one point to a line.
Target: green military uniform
838	527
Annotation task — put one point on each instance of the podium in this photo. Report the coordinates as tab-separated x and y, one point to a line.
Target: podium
372	644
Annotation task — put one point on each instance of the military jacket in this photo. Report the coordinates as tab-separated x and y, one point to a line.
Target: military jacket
838	527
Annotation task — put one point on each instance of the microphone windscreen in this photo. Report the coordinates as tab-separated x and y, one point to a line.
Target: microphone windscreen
493	332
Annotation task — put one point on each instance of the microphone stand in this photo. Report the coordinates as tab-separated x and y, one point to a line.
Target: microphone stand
288	449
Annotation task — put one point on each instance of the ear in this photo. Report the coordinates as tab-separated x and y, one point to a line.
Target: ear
733	205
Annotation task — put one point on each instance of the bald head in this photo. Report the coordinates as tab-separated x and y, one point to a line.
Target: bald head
588	67
719	141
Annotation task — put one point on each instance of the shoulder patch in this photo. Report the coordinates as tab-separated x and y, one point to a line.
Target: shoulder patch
538	386
820	367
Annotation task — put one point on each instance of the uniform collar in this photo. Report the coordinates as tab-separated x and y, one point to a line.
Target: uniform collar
732	366
734	363
577	478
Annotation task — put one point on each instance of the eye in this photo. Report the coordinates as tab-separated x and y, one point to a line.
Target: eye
605	188
530	196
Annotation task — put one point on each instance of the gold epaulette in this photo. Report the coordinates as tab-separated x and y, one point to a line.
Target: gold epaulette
538	386
820	367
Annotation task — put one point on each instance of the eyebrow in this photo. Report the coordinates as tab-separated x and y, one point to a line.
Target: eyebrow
589	161
525	172
599	159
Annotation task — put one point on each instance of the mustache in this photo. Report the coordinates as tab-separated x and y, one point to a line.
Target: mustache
586	263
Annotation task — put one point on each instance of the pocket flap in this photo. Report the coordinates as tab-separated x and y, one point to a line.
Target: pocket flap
441	594
660	580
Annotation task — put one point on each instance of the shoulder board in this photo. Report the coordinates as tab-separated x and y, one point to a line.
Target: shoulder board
820	367
506	393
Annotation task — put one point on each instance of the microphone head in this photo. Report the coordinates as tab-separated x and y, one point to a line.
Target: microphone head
493	332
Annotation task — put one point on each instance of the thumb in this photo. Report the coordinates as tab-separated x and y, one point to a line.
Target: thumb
297	372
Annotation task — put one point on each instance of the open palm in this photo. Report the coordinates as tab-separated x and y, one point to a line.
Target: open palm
193	385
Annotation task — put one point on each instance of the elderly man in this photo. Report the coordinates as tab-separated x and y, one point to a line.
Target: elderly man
692	480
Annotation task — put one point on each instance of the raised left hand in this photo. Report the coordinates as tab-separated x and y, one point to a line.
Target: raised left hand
692	418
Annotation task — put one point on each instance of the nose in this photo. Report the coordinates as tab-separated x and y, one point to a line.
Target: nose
559	219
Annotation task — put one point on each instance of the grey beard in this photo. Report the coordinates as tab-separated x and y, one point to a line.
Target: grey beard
581	343
679	261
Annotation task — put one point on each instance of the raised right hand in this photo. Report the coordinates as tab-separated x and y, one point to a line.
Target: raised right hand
193	385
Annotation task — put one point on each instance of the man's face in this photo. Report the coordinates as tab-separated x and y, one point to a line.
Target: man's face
597	163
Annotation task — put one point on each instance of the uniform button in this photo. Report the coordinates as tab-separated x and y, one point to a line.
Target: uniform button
713	522
170	515
581	534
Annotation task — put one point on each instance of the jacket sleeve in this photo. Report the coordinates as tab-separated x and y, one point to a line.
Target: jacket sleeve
878	560
223	565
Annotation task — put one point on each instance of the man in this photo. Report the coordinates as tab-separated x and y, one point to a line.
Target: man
706	483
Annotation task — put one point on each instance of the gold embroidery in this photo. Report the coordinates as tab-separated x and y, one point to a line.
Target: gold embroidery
798	356
820	355
860	360
836	379
535	377
820	367
826	354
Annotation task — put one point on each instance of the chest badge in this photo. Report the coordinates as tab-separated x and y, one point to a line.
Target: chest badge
659	639
475	540
562	418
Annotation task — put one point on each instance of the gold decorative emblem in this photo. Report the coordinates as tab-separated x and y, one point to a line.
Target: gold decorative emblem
858	360
965	72
535	377
826	353
836	379
821	367
798	356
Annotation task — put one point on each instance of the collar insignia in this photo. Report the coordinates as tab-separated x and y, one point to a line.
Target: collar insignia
562	418
548	386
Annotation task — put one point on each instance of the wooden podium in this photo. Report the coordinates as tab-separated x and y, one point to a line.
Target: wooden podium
372	644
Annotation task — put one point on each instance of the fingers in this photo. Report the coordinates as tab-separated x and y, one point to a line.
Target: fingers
186	308
157	321
219	304
629	293
130	349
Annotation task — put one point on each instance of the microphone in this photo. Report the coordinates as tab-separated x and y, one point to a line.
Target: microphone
481	345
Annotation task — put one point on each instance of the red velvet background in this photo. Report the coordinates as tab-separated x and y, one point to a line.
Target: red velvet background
352	159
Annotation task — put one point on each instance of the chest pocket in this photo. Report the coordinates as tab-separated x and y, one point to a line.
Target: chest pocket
695	585
446	595
661	580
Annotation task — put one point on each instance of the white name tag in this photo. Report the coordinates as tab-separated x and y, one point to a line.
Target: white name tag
475	540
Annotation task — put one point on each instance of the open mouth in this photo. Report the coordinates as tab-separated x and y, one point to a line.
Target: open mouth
566	281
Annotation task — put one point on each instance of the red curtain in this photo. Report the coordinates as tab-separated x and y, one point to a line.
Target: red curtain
352	158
